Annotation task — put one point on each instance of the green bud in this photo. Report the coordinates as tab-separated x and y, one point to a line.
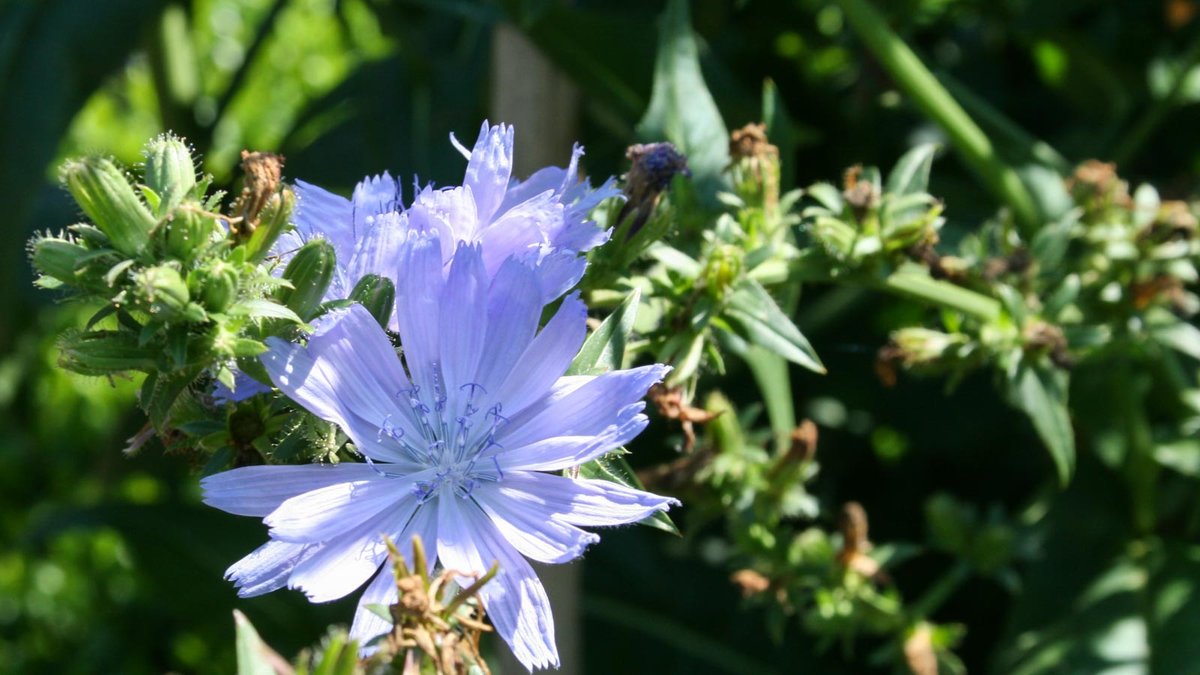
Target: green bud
378	295
273	221
722	268
163	288
309	272
187	232
216	286
106	196
170	171
57	258
104	353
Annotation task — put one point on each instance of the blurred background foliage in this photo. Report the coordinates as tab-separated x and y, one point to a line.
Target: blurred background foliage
109	564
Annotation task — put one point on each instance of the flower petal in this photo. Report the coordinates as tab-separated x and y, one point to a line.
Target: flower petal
323	514
463	318
346	561
259	490
580	501
367	625
515	600
418	291
267	568
608	399
348	374
490	168
524	523
546	358
513	312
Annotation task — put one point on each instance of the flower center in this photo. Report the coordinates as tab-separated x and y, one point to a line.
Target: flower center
457	441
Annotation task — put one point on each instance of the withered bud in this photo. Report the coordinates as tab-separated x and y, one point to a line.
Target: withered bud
919	653
861	195
1095	184
804	442
263	174
750	142
1176	220
855	541
1042	336
652	167
750	583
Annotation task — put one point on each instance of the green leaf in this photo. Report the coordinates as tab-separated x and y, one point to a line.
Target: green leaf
911	173
254	657
162	389
752	309
1041	392
681	108
613	467
261	308
771	374
604	349
1180	336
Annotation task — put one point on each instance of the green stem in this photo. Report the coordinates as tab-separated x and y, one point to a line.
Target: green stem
932	98
922	287
938	593
1158	110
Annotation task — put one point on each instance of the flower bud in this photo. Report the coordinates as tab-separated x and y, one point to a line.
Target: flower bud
216	286
163	288
57	258
309	272
187	233
722	268
106	196
754	167
653	166
170	171
104	353
378	295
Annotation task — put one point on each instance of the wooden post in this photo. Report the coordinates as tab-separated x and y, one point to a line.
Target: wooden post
542	104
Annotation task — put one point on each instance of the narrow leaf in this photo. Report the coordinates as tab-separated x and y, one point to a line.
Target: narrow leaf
604	349
1042	395
911	173
681	108
752	309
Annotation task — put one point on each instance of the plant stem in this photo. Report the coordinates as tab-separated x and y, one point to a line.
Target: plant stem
940	591
922	287
932	98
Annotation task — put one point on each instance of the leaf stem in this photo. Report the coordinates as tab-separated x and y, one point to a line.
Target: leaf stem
932	98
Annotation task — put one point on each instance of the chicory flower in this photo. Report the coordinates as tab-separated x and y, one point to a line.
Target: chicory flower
460	438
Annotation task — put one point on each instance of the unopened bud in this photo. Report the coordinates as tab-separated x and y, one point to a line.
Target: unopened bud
378	295
170	171
57	258
309	272
163	288
216	286
187	233
723	267
106	196
104	353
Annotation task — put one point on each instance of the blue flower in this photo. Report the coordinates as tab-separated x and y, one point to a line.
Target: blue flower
543	220
459	437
